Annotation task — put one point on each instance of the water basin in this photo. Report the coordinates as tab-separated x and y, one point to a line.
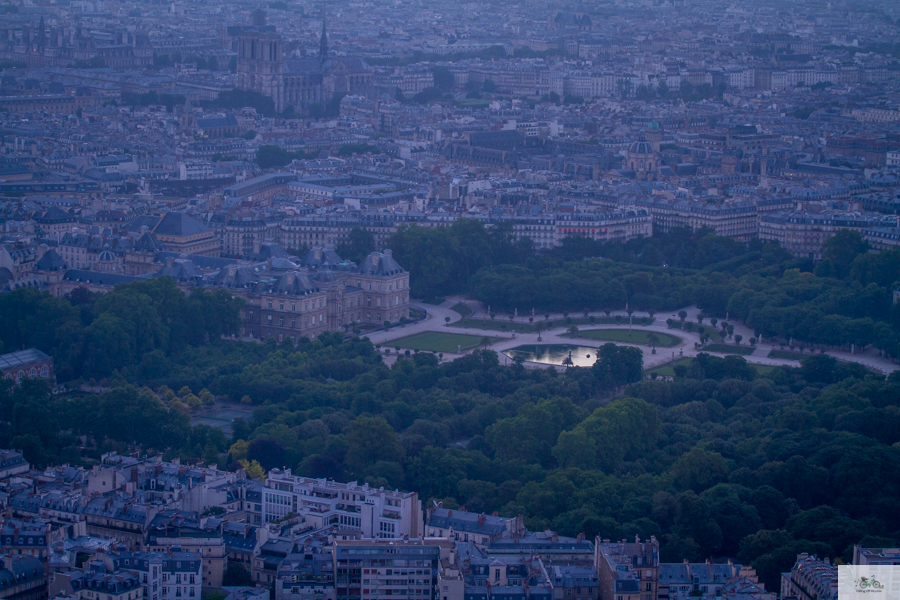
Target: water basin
554	354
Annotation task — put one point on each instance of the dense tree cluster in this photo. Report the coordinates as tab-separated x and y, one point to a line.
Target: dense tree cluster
47	427
721	461
237	98
847	298
442	260
359	244
137	327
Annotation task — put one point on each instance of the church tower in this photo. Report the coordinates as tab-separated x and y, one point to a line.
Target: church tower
323	42
654	135
260	65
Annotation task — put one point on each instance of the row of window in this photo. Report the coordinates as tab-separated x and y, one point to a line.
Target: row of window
188	592
188	577
294	306
33	372
293	321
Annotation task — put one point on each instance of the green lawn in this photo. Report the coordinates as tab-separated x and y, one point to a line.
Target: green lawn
472	103
501	324
462	309
636	336
436	341
728	349
495	325
788	354
667	370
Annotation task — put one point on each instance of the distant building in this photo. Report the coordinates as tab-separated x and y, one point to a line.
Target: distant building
875	556
163	575
627	570
12	463
306	574
462	526
24	579
31	363
574	582
679	581
178	232
297	83
810	579
375	512
171	531
385	569
96	582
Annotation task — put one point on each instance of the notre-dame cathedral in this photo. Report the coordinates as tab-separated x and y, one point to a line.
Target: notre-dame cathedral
297	83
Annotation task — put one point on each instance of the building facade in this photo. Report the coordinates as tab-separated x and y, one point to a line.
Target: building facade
375	513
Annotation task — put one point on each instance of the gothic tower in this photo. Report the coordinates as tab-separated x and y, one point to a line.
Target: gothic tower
260	65
323	42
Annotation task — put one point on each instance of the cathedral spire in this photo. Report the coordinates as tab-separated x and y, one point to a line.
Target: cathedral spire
41	34
323	41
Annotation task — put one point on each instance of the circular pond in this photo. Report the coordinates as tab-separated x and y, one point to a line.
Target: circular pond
554	354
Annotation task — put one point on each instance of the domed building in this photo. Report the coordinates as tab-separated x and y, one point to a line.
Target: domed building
642	157
107	262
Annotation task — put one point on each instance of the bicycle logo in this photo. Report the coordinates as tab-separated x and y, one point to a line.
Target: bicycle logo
866	584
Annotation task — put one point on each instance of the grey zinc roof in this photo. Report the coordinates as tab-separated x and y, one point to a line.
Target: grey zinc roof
444	518
22	358
270	250
181	270
179	224
202	262
380	263
51	261
319	257
227	121
100	278
54	214
27	567
148	243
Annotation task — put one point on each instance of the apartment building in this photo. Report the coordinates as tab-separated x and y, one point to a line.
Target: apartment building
737	219
619	225
259	189
11	461
463	526
810	579
574	582
96	583
306	574
174	575
541	229
876	115
375	512
26	538
680	581
383	569
313	231
876	556
173	531
803	233
241	234
627	570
